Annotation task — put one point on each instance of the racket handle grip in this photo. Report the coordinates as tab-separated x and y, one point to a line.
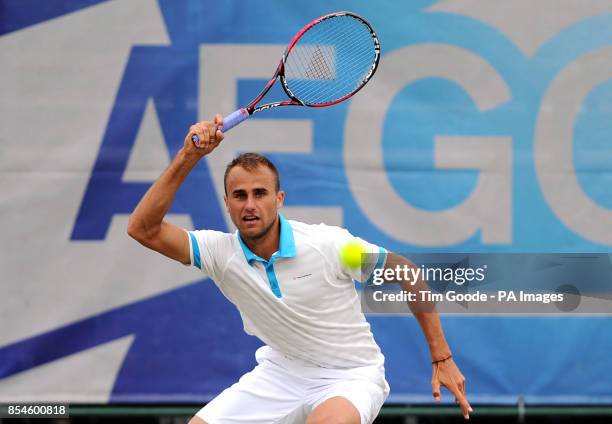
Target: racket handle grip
234	118
229	122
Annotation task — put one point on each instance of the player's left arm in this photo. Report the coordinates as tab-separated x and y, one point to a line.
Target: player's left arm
444	370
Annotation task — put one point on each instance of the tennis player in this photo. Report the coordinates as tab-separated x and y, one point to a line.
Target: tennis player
320	363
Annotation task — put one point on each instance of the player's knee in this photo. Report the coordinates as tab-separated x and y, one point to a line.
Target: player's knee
335	411
196	420
329	418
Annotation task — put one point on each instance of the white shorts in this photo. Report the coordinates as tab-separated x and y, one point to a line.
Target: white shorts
283	390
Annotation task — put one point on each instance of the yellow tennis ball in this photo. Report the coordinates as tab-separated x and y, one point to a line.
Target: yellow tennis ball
350	254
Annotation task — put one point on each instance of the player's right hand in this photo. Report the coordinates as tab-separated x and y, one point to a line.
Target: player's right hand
209	133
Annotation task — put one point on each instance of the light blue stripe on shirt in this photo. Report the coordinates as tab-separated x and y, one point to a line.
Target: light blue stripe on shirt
382	256
196	250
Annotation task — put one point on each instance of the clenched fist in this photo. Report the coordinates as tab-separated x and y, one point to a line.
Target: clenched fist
209	134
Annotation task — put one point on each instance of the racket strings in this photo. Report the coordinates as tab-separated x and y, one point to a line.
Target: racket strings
342	43
343	84
319	66
319	91
331	60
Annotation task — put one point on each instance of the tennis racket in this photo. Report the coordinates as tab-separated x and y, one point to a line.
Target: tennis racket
327	62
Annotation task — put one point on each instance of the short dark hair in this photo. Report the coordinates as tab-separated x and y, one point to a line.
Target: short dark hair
250	161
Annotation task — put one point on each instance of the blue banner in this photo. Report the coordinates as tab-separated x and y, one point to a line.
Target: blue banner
480	132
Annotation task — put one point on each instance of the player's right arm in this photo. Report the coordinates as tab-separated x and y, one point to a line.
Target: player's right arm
146	223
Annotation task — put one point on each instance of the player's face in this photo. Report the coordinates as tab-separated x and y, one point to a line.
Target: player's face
252	200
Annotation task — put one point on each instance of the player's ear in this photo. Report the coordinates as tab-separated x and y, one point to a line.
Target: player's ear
280	198
226	205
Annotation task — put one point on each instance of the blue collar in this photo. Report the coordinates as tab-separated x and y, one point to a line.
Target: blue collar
286	244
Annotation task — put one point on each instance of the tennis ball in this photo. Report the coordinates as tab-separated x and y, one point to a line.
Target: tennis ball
350	254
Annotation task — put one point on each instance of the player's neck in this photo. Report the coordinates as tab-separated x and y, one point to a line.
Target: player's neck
267	244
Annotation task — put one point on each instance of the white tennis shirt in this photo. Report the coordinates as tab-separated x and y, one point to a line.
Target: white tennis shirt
302	302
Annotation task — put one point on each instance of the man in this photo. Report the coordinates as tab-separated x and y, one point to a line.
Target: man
320	363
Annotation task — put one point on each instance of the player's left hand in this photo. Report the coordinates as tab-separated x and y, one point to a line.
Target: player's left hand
447	374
